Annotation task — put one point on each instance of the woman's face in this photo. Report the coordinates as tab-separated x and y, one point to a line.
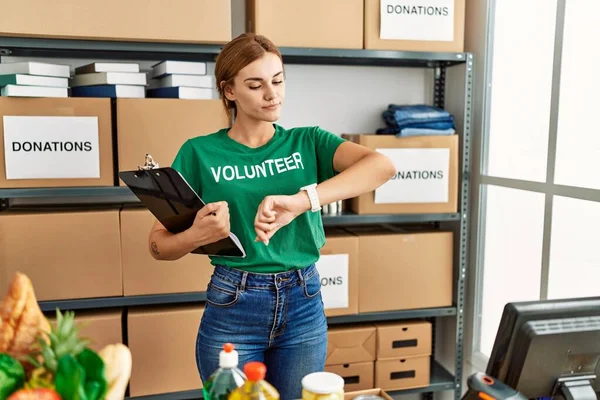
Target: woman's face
259	89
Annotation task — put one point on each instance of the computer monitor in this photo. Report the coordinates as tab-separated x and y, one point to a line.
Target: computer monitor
549	348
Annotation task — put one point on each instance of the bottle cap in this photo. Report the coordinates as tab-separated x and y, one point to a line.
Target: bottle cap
228	357
323	383
255	371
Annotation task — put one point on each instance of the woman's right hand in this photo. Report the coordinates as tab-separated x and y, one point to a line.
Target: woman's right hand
211	223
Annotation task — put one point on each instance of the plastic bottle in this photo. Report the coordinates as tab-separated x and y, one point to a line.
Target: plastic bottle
255	387
226	378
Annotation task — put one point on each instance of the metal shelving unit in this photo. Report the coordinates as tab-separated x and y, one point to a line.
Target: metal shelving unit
438	63
69	48
93	196
200	297
441	380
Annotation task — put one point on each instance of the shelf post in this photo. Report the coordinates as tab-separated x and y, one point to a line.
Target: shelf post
439	86
464	225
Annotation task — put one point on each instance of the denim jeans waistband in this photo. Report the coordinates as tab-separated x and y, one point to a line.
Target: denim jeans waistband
258	280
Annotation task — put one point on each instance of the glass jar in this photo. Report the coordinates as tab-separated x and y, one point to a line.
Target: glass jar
322	386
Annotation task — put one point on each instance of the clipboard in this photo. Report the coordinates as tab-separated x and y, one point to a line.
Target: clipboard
168	196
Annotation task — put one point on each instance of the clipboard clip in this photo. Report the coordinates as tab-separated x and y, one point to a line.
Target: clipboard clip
149	164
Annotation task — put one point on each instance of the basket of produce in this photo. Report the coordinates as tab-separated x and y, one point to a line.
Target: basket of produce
43	361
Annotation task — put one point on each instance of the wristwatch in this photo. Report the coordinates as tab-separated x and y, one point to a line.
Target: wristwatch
313	196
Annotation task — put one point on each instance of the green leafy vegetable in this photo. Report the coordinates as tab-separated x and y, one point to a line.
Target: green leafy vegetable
96	384
82	377
93	390
70	379
12	375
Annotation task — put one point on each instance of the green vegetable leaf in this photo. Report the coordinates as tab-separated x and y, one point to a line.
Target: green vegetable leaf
93	390
93	365
11	366
12	375
59	317
70	379
33	361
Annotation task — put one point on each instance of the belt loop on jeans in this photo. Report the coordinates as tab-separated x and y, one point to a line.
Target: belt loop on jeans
244	278
300	275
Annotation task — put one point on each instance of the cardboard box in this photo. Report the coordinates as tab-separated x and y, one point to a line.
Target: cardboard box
161	126
405	339
142	274
197	21
308	23
414	27
338	270
165	360
67	255
377	392
38	160
351	344
401	271
420	182
102	328
359	376
404	373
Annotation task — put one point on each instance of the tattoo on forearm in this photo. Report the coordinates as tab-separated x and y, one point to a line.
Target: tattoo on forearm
154	248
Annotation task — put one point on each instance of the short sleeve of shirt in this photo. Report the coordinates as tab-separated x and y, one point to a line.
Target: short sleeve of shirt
326	144
186	163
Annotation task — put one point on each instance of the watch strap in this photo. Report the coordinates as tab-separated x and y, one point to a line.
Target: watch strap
313	196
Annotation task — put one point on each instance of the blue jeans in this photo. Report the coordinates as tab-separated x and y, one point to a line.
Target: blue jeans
277	319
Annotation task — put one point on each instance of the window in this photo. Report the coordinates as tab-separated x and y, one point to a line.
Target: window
578	142
539	209
574	253
514	226
521	87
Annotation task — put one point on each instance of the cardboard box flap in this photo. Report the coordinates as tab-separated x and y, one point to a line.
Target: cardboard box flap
351	345
391	141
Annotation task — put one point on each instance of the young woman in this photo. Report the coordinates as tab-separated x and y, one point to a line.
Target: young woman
265	183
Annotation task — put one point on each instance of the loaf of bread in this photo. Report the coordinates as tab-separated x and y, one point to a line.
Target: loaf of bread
21	319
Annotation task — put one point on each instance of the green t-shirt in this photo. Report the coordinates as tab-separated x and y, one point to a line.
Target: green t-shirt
222	169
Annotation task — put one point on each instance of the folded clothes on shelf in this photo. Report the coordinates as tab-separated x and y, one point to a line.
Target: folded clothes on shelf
424	132
415	131
418	119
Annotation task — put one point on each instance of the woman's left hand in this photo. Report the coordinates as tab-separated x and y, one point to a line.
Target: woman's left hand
277	211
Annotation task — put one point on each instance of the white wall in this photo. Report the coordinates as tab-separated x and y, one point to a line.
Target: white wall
347	99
